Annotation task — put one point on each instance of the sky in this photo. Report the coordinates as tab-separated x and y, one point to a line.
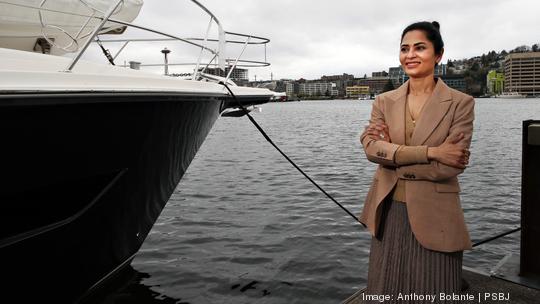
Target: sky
311	38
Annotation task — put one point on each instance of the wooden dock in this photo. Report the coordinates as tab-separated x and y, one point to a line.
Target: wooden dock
485	286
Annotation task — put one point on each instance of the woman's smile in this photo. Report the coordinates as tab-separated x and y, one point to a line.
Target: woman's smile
417	54
412	65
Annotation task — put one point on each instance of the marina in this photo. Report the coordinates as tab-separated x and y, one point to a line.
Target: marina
256	220
131	182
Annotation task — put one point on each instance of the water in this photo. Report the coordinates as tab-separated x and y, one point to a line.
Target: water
244	227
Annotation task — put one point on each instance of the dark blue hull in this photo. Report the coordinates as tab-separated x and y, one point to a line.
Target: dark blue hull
83	179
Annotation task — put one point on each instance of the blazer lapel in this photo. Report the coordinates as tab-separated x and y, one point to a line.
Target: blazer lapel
434	110
396	114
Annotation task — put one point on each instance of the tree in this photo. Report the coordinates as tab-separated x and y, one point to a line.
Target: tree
484	59
535	47
389	86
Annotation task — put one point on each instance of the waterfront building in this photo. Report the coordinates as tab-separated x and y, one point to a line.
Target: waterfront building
375	84
238	75
357	91
494	82
317	89
522	73
292	88
440	69
397	75
332	78
456	82
341	81
379	74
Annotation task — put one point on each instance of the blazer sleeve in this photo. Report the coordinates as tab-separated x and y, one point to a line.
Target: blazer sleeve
378	151
436	171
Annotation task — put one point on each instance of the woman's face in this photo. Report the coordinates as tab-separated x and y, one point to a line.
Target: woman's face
417	55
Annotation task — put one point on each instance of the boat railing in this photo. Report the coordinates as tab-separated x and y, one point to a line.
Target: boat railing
104	25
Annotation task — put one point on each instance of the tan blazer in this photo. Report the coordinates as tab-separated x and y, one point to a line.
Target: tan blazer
432	190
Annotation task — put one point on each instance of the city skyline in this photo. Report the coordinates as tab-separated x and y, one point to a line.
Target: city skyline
310	39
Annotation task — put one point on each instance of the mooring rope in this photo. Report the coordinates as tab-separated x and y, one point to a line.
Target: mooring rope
246	112
287	157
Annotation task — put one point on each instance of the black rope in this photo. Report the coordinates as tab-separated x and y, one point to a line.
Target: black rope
246	112
496	237
105	51
285	155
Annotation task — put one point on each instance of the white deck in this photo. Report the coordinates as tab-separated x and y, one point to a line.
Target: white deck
22	71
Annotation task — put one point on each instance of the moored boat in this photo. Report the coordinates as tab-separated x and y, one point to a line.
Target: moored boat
510	95
91	154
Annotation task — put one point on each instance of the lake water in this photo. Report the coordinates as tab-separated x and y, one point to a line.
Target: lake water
245	227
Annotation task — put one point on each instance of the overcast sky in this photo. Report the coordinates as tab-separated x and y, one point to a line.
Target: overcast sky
311	38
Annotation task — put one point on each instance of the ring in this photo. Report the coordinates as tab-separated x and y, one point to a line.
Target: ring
381	135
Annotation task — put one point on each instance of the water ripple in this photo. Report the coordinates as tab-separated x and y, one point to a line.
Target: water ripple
243	226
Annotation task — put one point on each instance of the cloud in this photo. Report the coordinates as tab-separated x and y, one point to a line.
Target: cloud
313	38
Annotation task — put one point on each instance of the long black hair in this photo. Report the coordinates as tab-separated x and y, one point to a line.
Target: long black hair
432	31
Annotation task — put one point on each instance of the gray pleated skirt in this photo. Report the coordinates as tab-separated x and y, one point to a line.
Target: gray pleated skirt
404	270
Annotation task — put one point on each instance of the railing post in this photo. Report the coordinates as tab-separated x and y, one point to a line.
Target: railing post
530	200
92	36
196	71
237	58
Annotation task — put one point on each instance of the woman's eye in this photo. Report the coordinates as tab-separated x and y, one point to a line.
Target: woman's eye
404	50
421	48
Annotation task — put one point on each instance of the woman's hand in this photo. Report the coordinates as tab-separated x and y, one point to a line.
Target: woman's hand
378	131
451	152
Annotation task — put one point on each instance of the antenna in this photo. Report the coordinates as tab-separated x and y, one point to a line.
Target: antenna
165	52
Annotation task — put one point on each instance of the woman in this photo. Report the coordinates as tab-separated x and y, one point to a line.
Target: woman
419	134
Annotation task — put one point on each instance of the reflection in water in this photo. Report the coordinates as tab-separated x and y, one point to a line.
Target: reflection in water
127	288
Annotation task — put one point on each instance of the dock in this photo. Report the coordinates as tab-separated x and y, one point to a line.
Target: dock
489	288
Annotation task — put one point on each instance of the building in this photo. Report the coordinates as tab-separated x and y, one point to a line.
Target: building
456	82
332	78
494	82
317	89
357	91
292	88
341	81
397	75
522	73
440	70
379	74
375	84
302	88
238	74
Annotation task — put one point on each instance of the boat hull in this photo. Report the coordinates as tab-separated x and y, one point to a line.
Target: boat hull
84	178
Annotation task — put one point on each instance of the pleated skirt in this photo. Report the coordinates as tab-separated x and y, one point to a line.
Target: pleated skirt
403	270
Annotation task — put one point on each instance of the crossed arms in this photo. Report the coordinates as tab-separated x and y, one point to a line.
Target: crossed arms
421	162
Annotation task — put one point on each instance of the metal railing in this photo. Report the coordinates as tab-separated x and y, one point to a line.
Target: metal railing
219	58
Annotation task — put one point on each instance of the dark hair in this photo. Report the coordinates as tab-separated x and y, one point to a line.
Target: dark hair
431	29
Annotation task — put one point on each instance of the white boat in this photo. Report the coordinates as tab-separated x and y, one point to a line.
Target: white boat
363	97
91	152
510	95
279	97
